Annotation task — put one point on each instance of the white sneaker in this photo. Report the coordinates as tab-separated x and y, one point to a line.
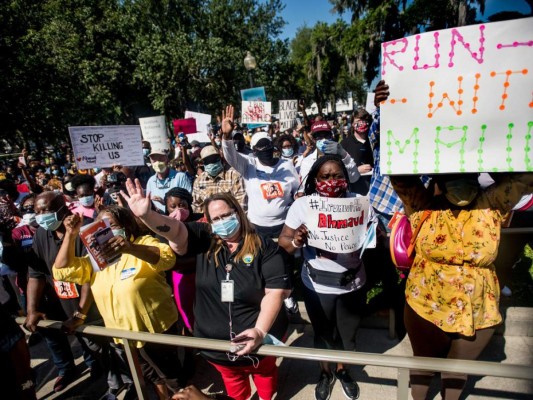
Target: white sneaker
291	305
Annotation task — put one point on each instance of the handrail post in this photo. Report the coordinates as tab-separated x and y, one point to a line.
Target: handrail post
402	392
135	368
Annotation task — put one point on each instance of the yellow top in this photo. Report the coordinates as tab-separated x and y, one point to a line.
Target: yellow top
130	294
453	282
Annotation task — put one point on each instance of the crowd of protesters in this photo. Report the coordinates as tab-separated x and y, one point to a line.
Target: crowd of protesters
205	236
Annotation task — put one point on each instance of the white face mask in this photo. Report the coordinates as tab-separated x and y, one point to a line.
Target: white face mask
159	166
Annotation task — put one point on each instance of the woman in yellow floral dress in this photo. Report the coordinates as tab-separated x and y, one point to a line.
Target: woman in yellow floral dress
452	292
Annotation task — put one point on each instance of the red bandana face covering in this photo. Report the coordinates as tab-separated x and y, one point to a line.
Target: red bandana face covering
361	126
332	188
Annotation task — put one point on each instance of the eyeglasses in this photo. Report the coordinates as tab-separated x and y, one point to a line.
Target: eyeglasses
223	216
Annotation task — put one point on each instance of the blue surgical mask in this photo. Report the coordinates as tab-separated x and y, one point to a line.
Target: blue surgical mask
287	152
214	169
271	339
226	228
86	201
49	221
119	232
322	144
146	152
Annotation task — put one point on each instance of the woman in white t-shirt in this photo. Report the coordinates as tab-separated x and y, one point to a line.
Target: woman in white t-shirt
271	183
332	281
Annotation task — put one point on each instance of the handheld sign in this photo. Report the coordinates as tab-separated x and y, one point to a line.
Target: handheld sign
288	111
461	100
337	225
254	94
154	130
187	125
202	126
105	146
257	112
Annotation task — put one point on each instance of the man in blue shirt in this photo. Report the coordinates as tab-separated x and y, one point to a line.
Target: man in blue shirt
164	179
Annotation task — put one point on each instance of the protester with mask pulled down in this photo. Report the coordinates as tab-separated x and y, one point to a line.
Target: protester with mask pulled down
270	182
322	136
244	310
218	177
164	179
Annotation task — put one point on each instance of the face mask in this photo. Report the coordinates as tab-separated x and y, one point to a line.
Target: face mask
159	167
332	188
180	214
265	156
119	232
96	170
287	152
322	144
29	219
49	221
361	126
218	142
55	172
272	340
86	201
146	152
461	192
226	228
214	169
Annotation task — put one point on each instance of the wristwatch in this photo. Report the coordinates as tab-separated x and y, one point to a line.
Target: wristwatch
79	315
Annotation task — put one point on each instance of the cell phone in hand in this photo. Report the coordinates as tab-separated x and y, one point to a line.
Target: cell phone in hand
241	339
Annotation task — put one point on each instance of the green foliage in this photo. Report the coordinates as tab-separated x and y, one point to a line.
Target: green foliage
89	62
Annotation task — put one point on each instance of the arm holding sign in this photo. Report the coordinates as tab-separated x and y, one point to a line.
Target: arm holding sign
292	239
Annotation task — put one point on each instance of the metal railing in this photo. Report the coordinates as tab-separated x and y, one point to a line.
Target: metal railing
402	363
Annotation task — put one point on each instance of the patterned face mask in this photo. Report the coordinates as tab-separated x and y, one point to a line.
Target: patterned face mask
332	187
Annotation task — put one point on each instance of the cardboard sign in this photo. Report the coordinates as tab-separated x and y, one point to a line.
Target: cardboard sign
187	125
105	146
254	94
258	112
288	111
337	225
154	130
461	100
203	122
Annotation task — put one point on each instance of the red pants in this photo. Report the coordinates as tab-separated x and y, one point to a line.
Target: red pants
237	379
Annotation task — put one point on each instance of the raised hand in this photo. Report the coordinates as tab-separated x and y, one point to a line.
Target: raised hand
139	202
381	93
73	224
227	122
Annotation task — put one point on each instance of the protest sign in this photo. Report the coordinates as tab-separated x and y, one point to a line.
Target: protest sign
105	146
337	225
187	125
154	130
288	111
461	100
258	112
369	106
254	94
203	122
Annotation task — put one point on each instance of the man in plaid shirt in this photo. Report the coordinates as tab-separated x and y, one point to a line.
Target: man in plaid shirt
218	177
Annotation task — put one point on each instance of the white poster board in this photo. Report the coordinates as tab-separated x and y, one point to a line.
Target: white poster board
258	112
337	225
105	146
203	121
288	111
461	100
154	130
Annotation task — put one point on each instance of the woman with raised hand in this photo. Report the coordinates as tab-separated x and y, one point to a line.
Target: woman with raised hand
131	293
241	282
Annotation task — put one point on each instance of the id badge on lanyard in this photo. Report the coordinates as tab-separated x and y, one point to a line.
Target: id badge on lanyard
227	291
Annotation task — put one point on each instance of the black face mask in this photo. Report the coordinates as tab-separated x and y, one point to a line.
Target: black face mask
265	156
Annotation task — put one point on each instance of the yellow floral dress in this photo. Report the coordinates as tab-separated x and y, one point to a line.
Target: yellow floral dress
453	282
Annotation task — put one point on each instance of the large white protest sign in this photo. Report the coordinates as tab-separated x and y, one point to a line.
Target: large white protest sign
258	112
461	100
203	121
288	111
154	130
337	225
105	146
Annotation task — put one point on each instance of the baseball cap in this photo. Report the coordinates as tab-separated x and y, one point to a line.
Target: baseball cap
256	137
158	152
208	151
320	126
